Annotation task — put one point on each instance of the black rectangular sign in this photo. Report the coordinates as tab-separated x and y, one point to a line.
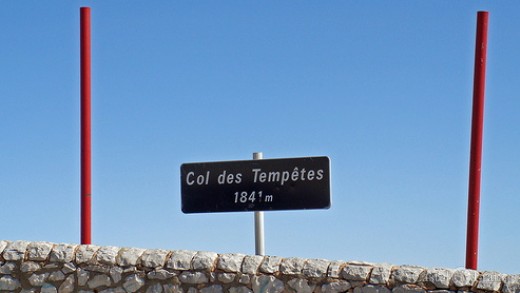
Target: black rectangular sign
256	185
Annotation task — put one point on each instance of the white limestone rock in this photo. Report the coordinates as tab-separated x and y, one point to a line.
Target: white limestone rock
301	285
336	287
464	278
68	268
489	281
15	251
335	269
241	289
48	288
511	284
62	253
116	273
160	274
407	274
230	262
408	288
8	283
180	260
99	281
438	278
244	279
251	264
193	278
113	290
56	276
133	283
85	253
154	258
356	272
39	251
316	268
129	256
155	288
3	245
267	284
204	260
271	264
38	280
292	266
172	288
68	285
226	278
212	289
107	255
8	268
380	274
83	276
29	266
371	289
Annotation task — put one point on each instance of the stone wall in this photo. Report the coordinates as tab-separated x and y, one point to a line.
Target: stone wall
48	267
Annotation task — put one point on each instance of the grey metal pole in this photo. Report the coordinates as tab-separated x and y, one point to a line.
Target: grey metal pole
259	221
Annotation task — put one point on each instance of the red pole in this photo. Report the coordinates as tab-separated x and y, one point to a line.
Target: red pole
476	141
86	170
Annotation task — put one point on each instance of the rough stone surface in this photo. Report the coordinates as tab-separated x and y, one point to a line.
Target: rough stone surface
204	260
292	266
490	281
271	264
68	285
438	278
193	278
129	256
335	268
408	288
212	289
30	266
85	253
371	289
33	267
154	258
251	264
380	274
241	289
63	253
464	278
107	255
335	287
356	272
38	280
316	268
407	274
9	283
180	260
226	278
8	268
133	283
267	284
230	262
99	281
15	251
160	274
39	251
511	284
301	285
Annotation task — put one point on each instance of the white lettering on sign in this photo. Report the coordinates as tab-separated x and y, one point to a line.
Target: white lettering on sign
284	176
201	179
259	176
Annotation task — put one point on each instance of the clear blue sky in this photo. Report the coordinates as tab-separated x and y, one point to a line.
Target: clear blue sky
383	88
